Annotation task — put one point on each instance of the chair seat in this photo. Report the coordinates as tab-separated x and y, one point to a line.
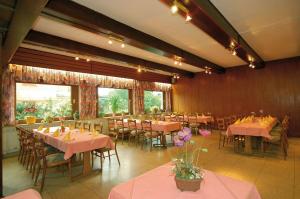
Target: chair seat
273	139
56	159
154	134
125	130
101	150
223	133
194	125
135	132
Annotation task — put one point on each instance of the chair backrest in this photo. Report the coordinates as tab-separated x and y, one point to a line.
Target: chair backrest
173	118
180	118
131	124
77	124
167	117
228	121
98	127
120	123
221	124
233	118
87	126
40	150
147	125
192	118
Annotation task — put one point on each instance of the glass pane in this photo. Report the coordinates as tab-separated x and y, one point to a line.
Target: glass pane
153	100
41	99
111	100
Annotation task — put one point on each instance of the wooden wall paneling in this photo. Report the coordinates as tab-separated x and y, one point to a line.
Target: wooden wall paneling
275	89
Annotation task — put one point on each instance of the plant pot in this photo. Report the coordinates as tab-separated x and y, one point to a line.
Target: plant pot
188	185
30	119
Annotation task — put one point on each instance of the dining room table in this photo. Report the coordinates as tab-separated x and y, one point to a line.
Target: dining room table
252	127
73	141
159	183
26	194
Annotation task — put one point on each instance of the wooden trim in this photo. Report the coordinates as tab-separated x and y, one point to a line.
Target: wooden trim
24	16
84	18
1	135
54	42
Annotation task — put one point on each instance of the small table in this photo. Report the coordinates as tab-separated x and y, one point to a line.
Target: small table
159	183
250	129
29	193
80	142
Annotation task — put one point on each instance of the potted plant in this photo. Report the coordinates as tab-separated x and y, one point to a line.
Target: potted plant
114	103
30	110
188	176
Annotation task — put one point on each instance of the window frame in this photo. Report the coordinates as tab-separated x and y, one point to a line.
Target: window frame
163	98
74	100
130	108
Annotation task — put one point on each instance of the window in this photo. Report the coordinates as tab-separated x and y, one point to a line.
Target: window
153	100
111	100
40	100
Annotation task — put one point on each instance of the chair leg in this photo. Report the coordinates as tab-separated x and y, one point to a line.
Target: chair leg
108	155
150	144
122	137
92	153
43	178
70	170
101	162
220	138
33	168
31	163
223	141
37	174
117	157
28	160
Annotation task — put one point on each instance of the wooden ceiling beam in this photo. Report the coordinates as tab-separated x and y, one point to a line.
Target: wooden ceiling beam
25	14
209	19
82	17
58	43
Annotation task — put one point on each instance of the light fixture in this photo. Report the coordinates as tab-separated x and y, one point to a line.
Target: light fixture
110	41
251	62
177	60
122	45
77	58
207	70
179	6
233	47
139	69
175	76
174	8
188	17
87	59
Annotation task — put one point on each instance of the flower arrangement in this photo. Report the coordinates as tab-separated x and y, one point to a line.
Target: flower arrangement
187	158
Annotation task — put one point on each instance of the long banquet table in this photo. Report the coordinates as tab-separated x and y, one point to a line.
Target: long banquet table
253	128
159	183
79	142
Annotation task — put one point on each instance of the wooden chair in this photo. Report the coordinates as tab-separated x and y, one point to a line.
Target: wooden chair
121	130
46	161
87	126
133	131
78	124
233	119
111	126
149	134
100	152
221	127
280	139
193	123
98	127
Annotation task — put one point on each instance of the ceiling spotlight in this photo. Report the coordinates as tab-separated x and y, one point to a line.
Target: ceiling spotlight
209	72
188	18
87	59
77	58
139	69
251	65
180	64
233	52
175	62
123	45
110	42
174	8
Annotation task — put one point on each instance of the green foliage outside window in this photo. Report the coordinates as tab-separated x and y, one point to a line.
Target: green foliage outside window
112	101
153	100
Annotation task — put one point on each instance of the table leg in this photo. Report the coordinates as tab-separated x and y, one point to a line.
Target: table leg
248	144
86	163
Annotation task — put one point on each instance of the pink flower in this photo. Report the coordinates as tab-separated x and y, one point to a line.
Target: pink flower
204	132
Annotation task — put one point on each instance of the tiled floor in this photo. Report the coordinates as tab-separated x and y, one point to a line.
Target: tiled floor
273	176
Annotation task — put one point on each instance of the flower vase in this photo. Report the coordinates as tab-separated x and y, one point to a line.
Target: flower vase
188	185
30	119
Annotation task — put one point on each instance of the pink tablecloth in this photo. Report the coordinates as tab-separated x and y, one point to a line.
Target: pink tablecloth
160	184
200	118
27	194
162	126
80	142
251	129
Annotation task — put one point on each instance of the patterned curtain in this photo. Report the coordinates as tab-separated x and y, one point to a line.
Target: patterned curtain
88	100
168	95
87	84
